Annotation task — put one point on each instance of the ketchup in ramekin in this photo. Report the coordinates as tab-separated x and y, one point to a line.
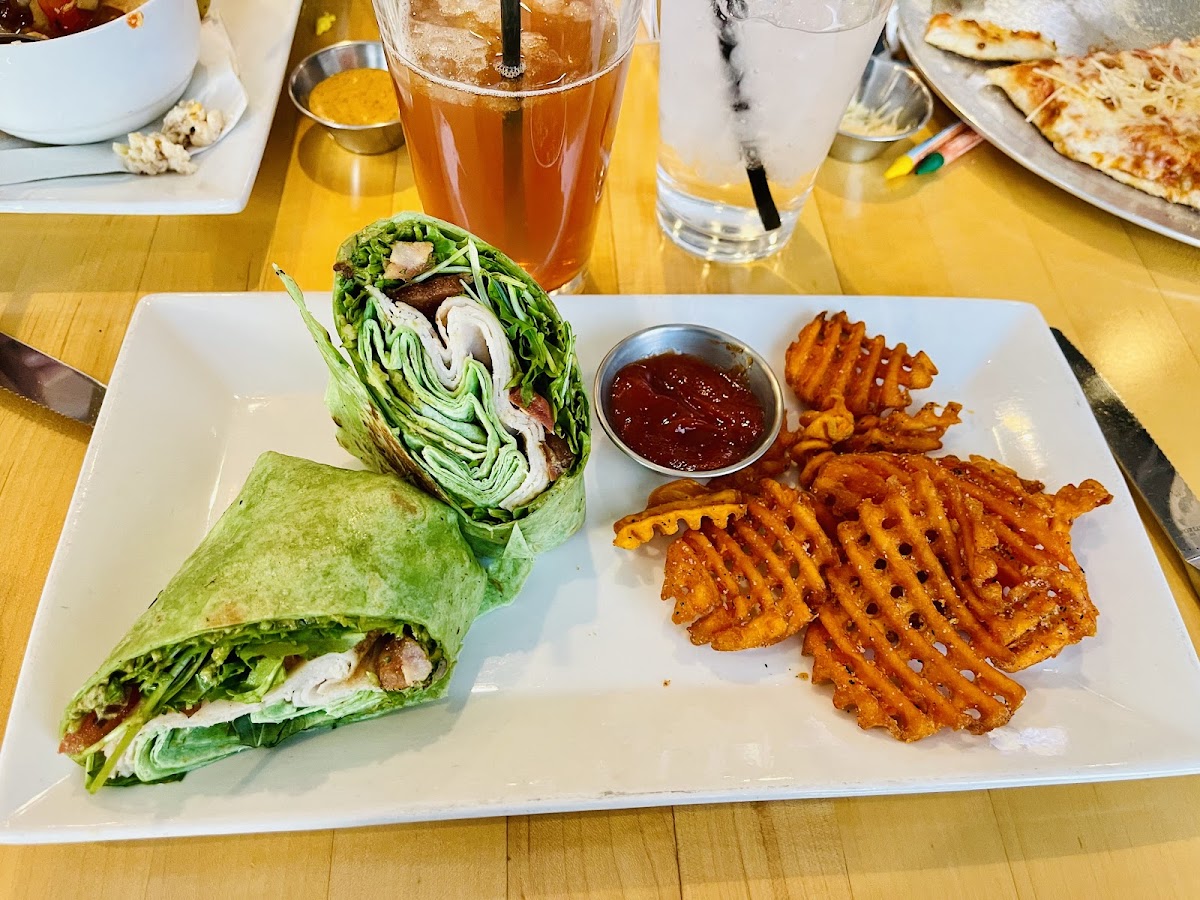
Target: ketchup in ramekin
678	411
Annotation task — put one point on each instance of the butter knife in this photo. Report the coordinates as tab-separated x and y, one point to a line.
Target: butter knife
42	379
1144	464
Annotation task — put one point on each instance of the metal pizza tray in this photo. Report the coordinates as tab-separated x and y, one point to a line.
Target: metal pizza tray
1077	26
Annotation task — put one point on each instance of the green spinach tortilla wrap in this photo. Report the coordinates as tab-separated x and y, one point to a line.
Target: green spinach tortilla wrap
320	597
462	377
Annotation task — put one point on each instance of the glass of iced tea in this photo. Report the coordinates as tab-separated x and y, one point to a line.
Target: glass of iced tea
518	161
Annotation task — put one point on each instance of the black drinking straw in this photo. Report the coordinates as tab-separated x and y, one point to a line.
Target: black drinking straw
510	38
511	67
755	171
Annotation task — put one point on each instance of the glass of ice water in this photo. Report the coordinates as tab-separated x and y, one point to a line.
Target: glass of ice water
750	96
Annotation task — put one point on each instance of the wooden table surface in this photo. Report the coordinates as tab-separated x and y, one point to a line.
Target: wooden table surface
982	228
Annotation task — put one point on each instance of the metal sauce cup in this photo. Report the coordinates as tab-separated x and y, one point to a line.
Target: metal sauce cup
714	347
886	87
316	67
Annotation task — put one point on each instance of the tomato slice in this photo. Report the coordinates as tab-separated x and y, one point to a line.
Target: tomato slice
66	16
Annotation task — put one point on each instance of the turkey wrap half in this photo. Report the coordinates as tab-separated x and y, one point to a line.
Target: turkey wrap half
462	377
320	597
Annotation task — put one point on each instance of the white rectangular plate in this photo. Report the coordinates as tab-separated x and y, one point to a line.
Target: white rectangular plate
261	33
561	701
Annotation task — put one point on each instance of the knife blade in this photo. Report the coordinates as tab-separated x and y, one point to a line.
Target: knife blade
42	379
1143	462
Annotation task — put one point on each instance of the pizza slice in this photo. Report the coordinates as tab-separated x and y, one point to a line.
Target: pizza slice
1133	114
986	40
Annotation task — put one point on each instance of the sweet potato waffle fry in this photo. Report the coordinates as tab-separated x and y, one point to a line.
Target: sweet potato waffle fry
825	428
899	432
1021	558
1014	563
898	641
755	582
834	429
835	356
686	501
820	433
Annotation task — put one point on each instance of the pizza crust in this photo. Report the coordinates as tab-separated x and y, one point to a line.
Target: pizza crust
1133	115
986	40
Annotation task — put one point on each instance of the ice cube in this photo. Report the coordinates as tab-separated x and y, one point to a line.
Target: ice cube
449	52
580	10
471	13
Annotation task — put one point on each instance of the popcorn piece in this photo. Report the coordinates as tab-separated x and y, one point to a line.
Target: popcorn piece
154	154
190	125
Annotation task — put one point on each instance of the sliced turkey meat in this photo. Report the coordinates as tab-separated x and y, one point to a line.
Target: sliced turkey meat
466	330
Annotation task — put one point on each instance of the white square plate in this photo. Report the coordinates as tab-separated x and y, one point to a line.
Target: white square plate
261	33
561	701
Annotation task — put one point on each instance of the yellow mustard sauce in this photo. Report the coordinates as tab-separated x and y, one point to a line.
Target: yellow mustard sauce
355	97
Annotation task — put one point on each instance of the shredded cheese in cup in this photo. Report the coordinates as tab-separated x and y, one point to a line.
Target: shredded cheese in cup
862	120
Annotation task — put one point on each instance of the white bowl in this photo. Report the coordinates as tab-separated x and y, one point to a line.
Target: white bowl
101	83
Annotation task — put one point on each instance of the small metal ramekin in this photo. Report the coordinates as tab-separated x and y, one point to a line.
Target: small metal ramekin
886	86
716	347
316	67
